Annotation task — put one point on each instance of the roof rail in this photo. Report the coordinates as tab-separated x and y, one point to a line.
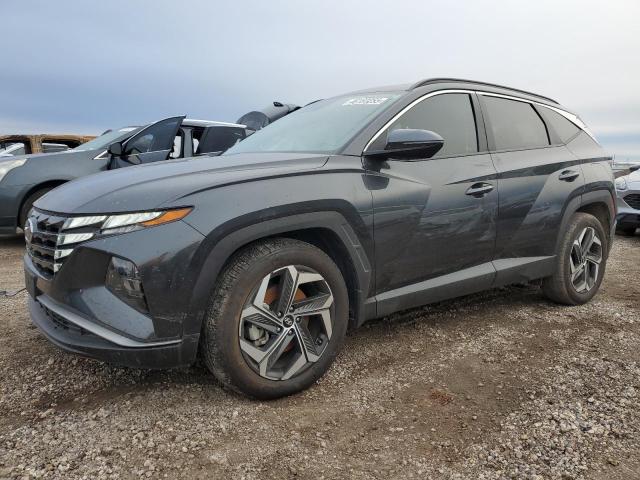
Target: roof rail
429	81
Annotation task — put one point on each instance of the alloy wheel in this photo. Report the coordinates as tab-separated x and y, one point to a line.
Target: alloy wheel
585	259
286	323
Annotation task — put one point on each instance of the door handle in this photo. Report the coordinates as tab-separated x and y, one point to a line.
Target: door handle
569	175
479	189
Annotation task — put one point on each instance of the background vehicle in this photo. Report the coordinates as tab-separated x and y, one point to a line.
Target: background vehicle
44	143
628	190
348	209
25	179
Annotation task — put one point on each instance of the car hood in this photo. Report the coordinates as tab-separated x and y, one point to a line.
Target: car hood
42	157
634	178
163	184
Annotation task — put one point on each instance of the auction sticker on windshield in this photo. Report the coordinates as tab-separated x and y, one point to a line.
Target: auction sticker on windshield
365	101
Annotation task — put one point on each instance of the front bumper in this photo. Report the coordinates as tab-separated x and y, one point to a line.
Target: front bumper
76	312
59	327
627	215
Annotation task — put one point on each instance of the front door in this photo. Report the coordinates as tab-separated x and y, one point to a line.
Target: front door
435	218
151	144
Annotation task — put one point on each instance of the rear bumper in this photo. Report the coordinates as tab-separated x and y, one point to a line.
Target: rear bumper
63	329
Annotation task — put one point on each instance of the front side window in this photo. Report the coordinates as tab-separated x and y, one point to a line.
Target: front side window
17	148
156	138
450	116
515	125
321	127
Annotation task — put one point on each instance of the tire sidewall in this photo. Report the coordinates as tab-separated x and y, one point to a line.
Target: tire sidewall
223	326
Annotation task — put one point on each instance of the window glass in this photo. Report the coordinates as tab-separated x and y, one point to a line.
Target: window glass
17	148
158	137
515	125
565	129
322	127
54	147
106	139
219	139
448	115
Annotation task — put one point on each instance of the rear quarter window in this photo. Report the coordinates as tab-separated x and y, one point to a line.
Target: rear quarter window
515	125
563	127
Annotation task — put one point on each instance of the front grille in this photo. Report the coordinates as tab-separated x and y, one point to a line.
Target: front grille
633	200
51	239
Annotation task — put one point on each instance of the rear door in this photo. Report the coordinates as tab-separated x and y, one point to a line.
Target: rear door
151	144
435	216
537	177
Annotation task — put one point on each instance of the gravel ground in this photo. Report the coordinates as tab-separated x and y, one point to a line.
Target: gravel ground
492	386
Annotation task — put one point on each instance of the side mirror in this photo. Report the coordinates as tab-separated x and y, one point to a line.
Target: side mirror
409	144
115	149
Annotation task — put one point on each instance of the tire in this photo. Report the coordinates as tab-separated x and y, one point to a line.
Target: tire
560	287
28	204
628	231
265	266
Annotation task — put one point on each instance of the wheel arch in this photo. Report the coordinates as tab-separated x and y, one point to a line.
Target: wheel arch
328	230
33	189
598	203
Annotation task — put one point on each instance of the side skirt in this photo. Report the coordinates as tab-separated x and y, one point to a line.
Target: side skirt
488	275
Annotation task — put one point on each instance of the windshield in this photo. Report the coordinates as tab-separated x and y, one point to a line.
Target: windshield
103	141
322	127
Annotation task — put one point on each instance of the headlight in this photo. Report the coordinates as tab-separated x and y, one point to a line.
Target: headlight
126	222
621	183
7	165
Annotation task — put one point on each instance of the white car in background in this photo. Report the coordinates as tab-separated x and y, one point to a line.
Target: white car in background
628	192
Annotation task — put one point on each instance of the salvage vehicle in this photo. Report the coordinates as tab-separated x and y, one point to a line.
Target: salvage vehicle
628	190
18	144
24	179
348	209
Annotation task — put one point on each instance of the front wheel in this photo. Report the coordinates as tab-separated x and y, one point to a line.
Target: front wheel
581	261
277	318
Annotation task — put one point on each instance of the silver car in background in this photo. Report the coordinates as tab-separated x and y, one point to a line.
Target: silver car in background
628	191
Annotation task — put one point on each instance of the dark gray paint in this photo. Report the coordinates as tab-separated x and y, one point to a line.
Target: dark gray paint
404	233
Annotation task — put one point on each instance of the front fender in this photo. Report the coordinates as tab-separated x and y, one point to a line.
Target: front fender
221	244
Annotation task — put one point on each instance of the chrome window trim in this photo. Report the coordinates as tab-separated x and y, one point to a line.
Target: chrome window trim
569	116
101	155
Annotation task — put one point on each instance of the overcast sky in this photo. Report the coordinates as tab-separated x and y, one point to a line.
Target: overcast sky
80	66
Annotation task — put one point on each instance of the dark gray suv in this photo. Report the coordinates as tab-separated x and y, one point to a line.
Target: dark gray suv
348	209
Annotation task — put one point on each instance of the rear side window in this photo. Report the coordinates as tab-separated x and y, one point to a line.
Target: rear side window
450	116
515	125
564	128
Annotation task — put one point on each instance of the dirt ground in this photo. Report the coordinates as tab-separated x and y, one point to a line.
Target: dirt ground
498	385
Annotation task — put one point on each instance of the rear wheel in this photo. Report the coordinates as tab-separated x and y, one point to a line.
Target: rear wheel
277	318
581	262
